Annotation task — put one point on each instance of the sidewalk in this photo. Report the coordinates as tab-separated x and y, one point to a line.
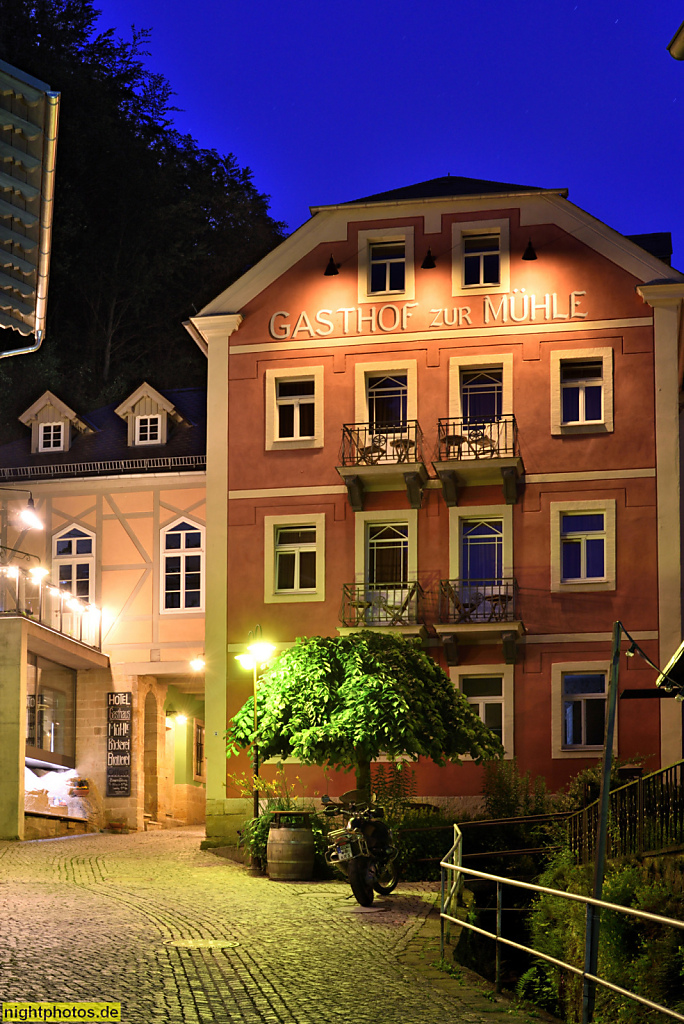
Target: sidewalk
177	934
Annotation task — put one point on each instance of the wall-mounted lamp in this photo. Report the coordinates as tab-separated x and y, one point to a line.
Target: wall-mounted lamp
429	261
332	269
529	253
197	664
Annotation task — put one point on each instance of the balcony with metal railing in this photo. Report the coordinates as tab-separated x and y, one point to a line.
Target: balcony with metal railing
476	452
380	456
30	595
480	611
394	606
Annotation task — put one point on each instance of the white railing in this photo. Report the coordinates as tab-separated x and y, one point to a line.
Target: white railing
31	595
449	864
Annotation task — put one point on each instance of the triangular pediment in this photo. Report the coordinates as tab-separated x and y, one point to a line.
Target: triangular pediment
146	391
60	408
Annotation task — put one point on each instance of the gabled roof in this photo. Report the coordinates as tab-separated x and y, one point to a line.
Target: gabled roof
48	398
147	391
105	450
449	186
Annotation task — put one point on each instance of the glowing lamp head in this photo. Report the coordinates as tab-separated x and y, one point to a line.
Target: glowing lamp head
261	651
29	517
197	664
181	719
246	661
38	573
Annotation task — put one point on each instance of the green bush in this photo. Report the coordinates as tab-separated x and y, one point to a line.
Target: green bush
641	956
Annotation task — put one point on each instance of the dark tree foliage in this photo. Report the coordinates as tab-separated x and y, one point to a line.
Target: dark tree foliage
148	226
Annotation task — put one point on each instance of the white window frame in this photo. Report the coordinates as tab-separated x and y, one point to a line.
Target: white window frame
271	594
272	376
361	519
557	509
501	513
74	560
558	670
148	417
363	371
368	238
467	229
42	447
182	552
601	354
507	673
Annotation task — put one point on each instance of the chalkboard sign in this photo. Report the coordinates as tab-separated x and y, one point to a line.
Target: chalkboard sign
119	752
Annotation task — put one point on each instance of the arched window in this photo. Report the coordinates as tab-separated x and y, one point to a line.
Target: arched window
182	558
73	562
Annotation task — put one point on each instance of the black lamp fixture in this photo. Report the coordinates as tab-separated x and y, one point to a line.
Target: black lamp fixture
529	253
429	261
332	268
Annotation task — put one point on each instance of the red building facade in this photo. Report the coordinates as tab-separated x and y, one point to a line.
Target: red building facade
451	411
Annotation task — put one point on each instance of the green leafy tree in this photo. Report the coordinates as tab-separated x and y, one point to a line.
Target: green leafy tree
346	700
148	225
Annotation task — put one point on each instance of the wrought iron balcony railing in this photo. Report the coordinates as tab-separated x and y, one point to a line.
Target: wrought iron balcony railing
365	444
467	438
29	594
492	600
381	604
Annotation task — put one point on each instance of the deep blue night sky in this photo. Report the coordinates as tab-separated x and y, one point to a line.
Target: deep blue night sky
331	102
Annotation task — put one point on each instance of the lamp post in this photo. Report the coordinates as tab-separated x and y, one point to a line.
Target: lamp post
258	652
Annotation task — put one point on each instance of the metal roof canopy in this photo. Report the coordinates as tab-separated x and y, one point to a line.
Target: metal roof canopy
29	114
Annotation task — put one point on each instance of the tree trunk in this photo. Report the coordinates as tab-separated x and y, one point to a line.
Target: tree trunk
363	777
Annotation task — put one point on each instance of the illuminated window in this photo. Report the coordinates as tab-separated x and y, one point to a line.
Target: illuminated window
386	267
51	437
582	391
183	567
73	561
481	394
481	263
148	429
387	402
584	709
50	711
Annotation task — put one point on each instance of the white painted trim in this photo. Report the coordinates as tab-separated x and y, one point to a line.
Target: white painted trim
556	509
504	513
464	229
599	474
557	670
364	370
584	638
365	238
458	363
163	553
272	376
408	515
317	520
507	673
286	492
449	335
580	355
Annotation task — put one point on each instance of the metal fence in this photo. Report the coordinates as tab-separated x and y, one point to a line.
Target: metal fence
468	438
450	865
468	600
367	444
381	604
645	816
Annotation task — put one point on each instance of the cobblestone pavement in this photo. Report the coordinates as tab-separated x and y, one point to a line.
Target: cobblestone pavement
177	934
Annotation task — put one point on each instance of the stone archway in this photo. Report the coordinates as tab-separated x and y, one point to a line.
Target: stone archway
150	757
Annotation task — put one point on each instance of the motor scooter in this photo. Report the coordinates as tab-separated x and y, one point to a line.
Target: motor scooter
363	850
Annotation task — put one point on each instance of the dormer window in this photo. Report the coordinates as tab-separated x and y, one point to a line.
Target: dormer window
148	429
51	437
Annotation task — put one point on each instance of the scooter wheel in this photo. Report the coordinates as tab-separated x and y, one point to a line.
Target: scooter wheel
386	879
361	880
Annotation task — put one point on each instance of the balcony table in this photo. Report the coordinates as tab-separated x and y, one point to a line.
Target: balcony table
403	446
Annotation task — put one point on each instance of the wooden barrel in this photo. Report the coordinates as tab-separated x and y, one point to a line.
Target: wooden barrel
290	854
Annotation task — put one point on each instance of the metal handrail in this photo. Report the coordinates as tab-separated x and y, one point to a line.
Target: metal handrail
381	604
470	600
464	438
377	444
64	469
24	596
648	816
448	865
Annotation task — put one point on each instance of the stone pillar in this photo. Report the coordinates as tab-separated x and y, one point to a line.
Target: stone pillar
12	727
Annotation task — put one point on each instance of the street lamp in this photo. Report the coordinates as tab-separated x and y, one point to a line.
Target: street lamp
258	652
